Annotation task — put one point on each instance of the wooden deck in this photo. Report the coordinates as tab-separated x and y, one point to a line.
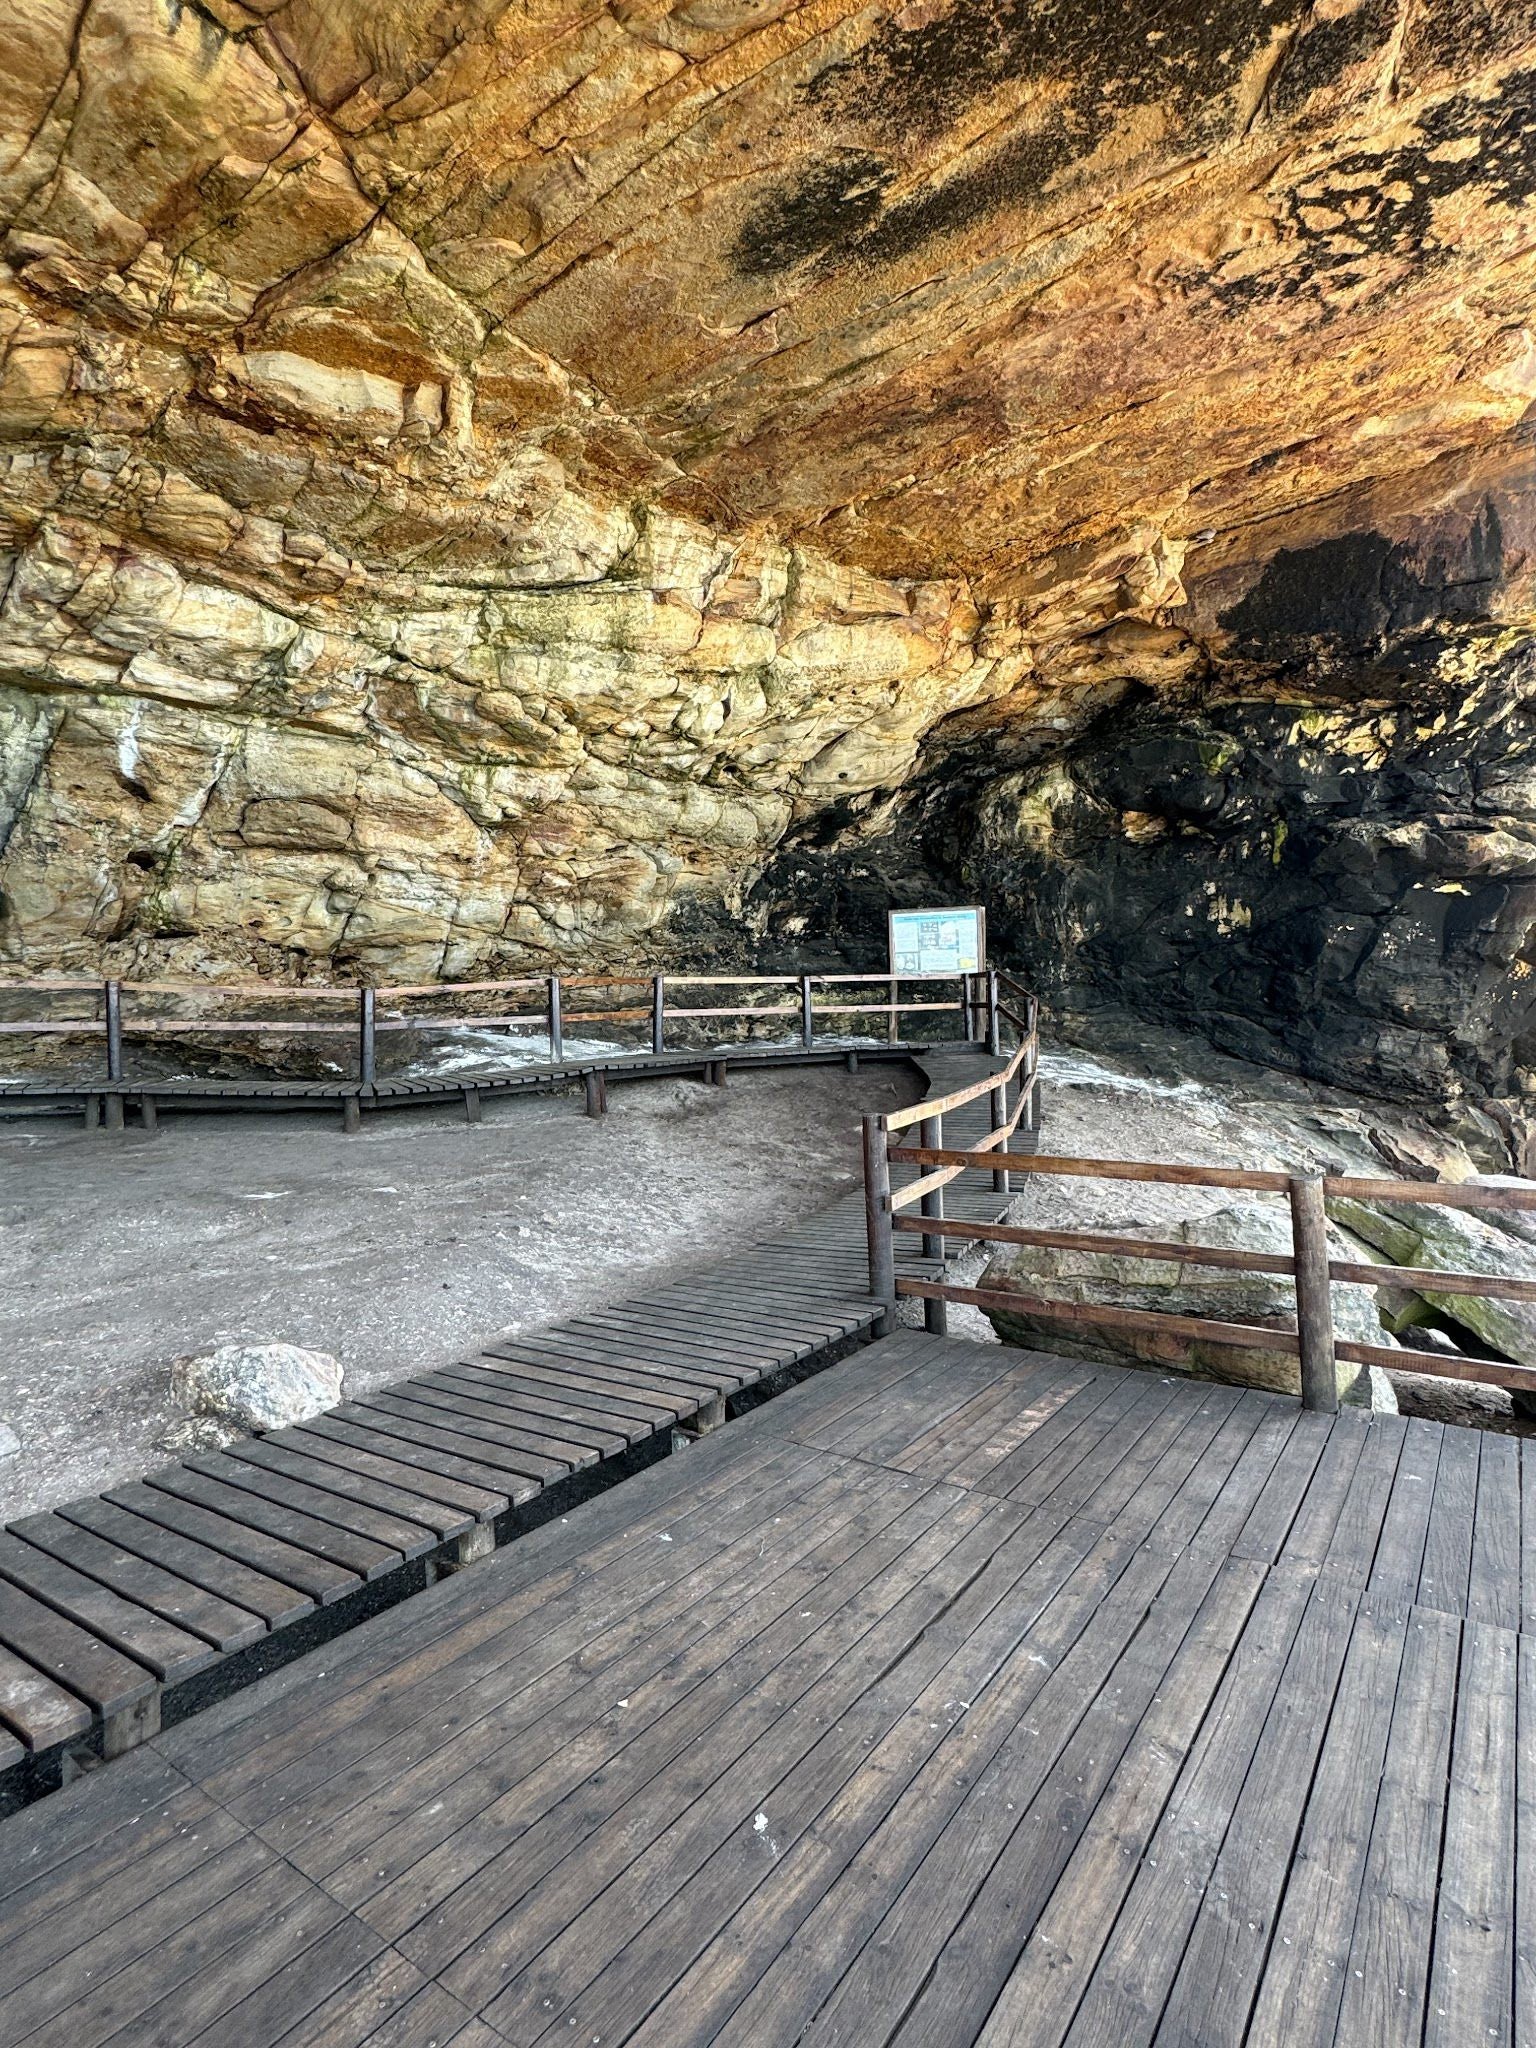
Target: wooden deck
121	1613
960	1695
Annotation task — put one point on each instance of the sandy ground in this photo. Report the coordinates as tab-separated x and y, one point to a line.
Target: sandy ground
396	1249
421	1237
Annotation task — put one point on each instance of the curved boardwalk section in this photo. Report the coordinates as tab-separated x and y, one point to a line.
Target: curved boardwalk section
963	1695
120	1614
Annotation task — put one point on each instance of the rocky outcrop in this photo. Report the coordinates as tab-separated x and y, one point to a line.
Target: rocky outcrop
1214	1293
482	486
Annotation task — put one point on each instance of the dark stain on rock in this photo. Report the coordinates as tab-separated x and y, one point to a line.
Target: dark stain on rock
1372	205
1348	598
826	208
1326	50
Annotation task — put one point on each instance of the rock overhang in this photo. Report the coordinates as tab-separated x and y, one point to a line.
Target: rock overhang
600	442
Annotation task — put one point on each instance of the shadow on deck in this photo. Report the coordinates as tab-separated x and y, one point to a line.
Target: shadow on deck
961	1695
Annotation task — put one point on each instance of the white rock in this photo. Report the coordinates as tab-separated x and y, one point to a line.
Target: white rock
10	1442
257	1386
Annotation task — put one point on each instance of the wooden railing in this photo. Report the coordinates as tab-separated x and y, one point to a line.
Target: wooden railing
123	1009
1313	1342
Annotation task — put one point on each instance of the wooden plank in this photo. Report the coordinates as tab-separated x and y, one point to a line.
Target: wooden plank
1493	1590
1351	1551
171	1653
405	1450
164	1998
417	1423
822	1678
560	1376
219	1622
358	1555
538	1414
404	1536
597	1369
454	1408
322	1580
1471	1989
545	1391
1047	1800
1133	1971
1399	1555
91	1940
426	1829
1302	1987
1385	1981
71	1655
37	1711
1037	2002
1447	1568
452	1497
272	1600
693	1366
413	1506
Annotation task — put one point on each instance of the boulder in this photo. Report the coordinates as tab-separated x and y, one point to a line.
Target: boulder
10	1442
1457	1241
1124	1281
257	1386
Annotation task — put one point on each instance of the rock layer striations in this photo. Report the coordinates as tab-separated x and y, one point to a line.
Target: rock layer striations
486	483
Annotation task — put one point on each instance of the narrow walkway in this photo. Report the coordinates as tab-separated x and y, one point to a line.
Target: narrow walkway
962	1695
120	1614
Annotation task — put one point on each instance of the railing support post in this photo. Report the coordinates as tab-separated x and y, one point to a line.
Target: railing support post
967	1020
877	1221
365	1036
807	1022
1001	1184
1314	1294
556	1037
935	1313
994	1022
658	1011
112	993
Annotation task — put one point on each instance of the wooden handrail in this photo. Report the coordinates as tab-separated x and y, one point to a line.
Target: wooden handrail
1313	1341
813	995
1094	1169
941	1105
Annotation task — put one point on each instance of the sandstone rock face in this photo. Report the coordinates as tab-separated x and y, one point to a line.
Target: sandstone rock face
478	483
257	1386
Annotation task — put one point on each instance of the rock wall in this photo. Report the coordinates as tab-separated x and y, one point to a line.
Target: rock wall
1320	848
484	484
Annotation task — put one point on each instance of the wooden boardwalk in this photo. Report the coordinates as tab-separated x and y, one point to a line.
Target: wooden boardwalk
960	1695
120	1613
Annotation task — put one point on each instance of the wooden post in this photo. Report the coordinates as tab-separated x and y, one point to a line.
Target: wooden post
556	1036
807	1021
967	1026
877	1221
890	1020
351	1113
597	1092
658	1012
113	994
1000	1182
994	1022
1314	1297
365	1037
935	1313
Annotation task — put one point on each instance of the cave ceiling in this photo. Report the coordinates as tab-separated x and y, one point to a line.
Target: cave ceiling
476	477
